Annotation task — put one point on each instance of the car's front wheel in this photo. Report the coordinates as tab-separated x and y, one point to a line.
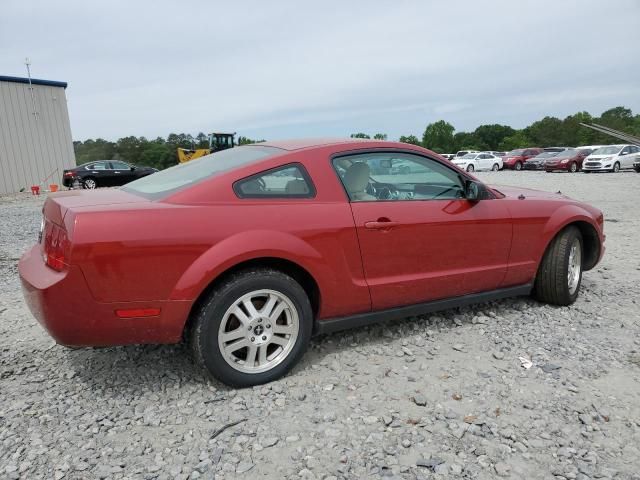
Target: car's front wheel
253	328
470	168
495	167
616	167
560	272
518	166
574	167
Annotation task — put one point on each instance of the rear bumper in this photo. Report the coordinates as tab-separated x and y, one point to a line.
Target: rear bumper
64	306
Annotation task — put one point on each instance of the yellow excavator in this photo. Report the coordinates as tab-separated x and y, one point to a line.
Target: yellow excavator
217	142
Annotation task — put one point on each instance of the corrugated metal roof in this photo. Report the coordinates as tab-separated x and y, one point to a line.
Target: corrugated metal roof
34	81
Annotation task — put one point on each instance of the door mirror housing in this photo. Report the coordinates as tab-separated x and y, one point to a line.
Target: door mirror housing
133	167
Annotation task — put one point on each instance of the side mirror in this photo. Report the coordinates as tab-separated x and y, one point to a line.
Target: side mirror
473	190
623	153
133	167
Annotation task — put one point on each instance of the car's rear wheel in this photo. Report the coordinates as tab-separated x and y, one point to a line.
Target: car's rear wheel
253	327
574	167
90	183
495	167
470	168
518	166
560	272
616	167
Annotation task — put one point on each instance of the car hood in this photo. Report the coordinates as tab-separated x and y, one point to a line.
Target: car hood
600	157
515	192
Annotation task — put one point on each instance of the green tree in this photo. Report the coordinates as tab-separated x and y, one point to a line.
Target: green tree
247	141
380	136
489	137
518	140
546	132
438	136
411	139
464	141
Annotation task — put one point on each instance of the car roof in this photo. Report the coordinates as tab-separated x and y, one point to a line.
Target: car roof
300	143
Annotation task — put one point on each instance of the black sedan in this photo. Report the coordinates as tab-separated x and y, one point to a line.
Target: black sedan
103	173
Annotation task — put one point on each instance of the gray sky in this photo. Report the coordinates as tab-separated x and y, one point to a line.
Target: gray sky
280	69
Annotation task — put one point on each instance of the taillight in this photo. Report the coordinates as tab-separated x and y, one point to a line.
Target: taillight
67	174
56	246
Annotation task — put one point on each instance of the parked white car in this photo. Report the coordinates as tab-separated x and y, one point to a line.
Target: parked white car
478	161
462	153
611	158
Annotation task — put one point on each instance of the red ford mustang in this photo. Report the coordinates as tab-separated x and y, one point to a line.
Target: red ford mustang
248	252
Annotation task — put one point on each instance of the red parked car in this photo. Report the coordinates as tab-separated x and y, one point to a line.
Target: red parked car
515	158
248	252
569	160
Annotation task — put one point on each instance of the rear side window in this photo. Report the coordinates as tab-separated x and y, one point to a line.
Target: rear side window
287	181
171	180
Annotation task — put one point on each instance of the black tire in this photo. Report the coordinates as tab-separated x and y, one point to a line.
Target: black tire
495	167
616	167
470	168
551	284
89	183
203	336
518	166
573	168
586	171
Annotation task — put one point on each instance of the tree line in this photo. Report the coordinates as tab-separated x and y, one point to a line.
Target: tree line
439	136
159	153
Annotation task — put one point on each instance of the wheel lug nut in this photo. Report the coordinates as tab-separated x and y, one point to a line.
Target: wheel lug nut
264	337
268	326
253	339
259	320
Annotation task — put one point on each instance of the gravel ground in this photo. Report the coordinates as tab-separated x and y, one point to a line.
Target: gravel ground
444	396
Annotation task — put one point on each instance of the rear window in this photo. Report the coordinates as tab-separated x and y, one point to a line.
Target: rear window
171	180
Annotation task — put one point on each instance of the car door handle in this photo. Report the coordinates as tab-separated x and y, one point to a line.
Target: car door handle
380	224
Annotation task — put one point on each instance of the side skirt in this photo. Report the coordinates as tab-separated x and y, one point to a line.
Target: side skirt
361	319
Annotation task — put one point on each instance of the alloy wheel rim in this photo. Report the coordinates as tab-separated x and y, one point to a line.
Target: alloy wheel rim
90	184
258	331
574	168
470	168
496	167
575	266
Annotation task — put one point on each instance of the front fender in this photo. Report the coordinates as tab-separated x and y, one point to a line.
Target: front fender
562	217
242	247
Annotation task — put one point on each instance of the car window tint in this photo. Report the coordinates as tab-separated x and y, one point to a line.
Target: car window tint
289	181
396	176
120	166
97	166
184	175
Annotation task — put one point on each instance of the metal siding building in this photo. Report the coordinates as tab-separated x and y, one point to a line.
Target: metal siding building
35	134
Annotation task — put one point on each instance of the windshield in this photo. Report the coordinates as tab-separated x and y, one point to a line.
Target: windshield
515	153
470	155
172	179
611	150
571	152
